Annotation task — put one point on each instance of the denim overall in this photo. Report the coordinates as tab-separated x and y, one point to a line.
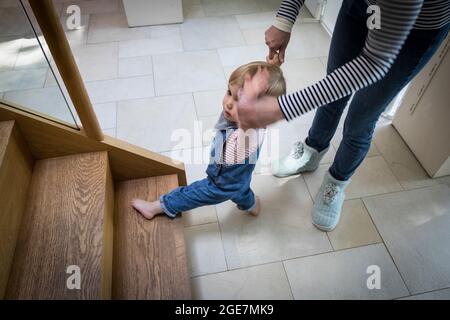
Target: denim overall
223	182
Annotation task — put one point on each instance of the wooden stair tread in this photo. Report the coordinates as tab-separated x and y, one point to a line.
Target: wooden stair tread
149	256
69	206
16	164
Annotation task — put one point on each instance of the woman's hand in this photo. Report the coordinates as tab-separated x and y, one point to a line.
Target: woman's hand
255	111
276	60
258	113
277	42
257	85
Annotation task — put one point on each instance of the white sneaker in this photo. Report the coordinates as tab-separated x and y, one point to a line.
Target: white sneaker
328	203
302	158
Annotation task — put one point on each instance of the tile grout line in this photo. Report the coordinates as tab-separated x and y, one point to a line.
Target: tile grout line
331	244
143	76
153	75
134	99
117	45
223	248
425	292
307	188
195	108
183	46
117	114
361	199
395	192
222	66
45	81
289	259
237	269
407	148
31	88
390	169
288	281
346	248
387	249
88	31
409	151
329	252
221	238
240	29
391	192
17	56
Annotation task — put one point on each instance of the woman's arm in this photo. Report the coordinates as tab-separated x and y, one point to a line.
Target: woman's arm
380	51
277	36
287	14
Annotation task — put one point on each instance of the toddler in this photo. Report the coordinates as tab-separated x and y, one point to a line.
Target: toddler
233	154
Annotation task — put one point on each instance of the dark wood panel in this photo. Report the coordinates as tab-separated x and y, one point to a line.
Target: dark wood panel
5	134
16	164
149	256
108	239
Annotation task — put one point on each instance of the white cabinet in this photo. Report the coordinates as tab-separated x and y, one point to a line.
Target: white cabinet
315	7
153	12
423	118
330	14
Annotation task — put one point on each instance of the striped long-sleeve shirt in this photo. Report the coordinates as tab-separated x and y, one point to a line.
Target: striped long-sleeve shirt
382	46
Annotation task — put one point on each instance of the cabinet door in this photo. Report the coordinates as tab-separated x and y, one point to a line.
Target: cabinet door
422	119
315	7
330	14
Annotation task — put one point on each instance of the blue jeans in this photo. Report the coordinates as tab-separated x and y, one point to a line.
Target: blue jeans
223	182
367	104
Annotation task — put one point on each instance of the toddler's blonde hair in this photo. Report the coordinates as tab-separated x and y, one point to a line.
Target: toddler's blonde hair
277	83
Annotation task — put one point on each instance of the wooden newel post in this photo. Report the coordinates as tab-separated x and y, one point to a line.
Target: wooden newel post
62	54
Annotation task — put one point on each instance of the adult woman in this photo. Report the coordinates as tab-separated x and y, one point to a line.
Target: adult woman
371	64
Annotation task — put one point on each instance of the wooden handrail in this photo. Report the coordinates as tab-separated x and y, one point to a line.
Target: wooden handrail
55	37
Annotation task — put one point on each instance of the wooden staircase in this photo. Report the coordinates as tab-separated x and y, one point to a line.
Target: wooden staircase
163	242
65	211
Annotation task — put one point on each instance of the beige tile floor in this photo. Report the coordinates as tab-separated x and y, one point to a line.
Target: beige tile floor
148	82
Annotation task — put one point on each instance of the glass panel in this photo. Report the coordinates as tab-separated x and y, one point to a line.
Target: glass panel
27	77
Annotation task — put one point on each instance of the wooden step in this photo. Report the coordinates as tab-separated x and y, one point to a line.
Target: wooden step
149	256
16	164
67	222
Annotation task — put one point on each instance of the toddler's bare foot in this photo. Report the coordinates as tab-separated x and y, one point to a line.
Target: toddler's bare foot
257	209
147	209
